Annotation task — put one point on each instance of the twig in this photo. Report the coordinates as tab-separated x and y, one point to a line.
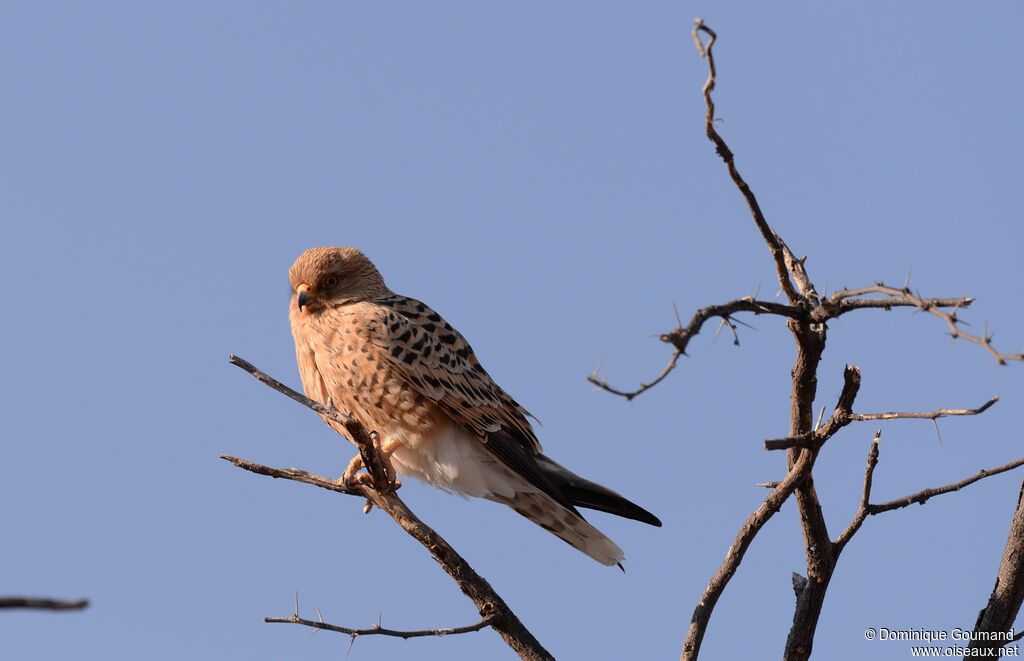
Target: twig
840	417
843	416
734	556
785	262
359	435
42	603
865	499
681	336
924	495
920	415
378	630
843	301
487	601
603	384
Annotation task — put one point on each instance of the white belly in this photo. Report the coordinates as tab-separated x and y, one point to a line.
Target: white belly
455	460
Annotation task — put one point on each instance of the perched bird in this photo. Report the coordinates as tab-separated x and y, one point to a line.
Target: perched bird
407	375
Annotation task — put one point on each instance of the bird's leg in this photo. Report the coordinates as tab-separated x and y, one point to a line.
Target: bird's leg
353	476
386	449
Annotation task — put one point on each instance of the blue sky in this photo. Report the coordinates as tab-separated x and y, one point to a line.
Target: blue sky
539	174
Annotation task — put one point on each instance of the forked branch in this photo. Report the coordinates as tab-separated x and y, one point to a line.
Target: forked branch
843	416
680	337
489	604
921	497
847	299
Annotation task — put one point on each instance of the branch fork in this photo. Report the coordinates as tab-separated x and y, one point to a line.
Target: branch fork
494	612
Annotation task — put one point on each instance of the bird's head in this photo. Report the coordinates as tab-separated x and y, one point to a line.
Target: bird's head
333	275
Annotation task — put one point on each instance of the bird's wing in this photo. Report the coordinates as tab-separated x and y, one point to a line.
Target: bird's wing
433	357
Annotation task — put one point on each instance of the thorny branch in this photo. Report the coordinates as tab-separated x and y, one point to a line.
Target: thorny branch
785	262
844	301
377	629
680	337
359	435
865	499
866	509
920	415
43	603
382	495
807	316
842	417
922	496
781	491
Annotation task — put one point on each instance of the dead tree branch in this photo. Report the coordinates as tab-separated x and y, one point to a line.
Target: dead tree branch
843	301
377	629
920	415
841	417
42	603
734	556
359	435
785	262
922	496
1004	603
807	316
680	337
865	499
781	491
866	509
380	493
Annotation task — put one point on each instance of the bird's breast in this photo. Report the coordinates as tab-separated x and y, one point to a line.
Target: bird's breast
340	364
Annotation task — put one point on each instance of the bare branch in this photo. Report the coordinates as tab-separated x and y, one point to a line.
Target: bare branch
920	415
786	262
924	495
488	603
865	499
359	435
644	387
42	603
1004	602
378	630
840	417
299	475
843	301
734	556
681	336
843	416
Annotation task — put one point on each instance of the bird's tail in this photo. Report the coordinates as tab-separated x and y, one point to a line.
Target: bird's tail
584	493
565	523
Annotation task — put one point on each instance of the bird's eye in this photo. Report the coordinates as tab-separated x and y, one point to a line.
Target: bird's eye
331	281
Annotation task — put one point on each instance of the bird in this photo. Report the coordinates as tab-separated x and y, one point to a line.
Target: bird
405	373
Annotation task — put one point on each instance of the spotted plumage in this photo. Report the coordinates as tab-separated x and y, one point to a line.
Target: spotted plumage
407	374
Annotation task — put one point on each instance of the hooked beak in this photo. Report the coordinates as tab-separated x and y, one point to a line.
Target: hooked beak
303	296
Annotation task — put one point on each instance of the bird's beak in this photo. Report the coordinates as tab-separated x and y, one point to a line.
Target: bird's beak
303	296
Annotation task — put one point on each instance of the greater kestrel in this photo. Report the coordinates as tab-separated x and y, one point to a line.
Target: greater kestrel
405	373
